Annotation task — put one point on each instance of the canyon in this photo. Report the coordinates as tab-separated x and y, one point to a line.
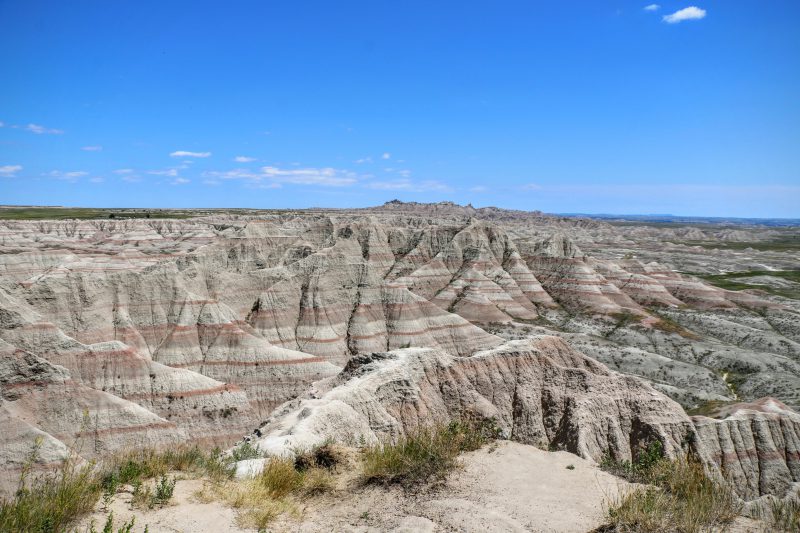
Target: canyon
293	327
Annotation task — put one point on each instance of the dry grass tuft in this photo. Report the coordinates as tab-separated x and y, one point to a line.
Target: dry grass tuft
682	498
426	455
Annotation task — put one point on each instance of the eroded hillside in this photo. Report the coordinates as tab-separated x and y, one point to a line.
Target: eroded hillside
130	332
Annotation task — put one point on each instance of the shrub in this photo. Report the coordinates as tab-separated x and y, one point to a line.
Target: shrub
323	455
641	469
682	499
50	502
165	488
427	454
245	451
280	478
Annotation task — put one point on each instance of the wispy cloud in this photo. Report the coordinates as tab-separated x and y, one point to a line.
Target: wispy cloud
9	171
363	160
329	177
180	181
2	123
96	148
478	188
97	179
244	159
687	13
184	153
40	130
68	176
530	187
652	7
171	172
124	171
408	185
271	176
386	155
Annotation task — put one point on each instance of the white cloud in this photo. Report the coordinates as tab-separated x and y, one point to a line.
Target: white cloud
97	180
184	153
95	148
124	171
479	188
408	185
329	177
652	7
687	13
68	176
363	160
171	172
9	171
530	187
180	181
272	177
130	178
2	123
39	130
386	155
244	159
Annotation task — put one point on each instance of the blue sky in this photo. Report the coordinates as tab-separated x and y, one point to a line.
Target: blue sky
588	106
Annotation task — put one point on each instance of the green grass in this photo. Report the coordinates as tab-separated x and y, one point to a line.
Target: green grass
52	501
708	408
789	243
65	213
428	454
640	469
729	281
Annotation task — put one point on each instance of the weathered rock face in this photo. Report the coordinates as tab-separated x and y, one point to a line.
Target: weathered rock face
538	391
208	324
756	447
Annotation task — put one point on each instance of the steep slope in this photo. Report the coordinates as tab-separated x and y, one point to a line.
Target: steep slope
538	391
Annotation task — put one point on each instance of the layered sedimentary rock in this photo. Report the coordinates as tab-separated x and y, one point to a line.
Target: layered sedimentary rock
756	447
207	324
538	391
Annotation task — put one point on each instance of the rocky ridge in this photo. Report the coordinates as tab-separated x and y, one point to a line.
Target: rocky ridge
200	328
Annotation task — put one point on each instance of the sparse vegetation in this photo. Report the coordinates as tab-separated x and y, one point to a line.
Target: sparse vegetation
640	469
783	515
126	527
426	455
245	451
736	281
277	488
52	501
709	408
679	498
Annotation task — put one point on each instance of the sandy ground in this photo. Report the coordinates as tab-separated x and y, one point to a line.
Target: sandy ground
507	487
503	487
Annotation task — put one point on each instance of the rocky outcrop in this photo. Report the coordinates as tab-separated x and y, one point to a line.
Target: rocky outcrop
756	447
538	391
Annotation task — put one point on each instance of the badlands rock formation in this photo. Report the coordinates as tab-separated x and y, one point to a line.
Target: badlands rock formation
541	392
123	332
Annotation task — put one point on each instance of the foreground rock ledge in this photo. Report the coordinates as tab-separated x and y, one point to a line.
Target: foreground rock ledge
541	392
